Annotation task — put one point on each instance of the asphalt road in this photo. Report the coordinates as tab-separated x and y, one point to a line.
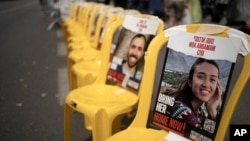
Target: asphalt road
33	80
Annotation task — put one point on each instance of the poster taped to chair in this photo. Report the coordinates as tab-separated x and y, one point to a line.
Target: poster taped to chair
127	55
193	85
127	59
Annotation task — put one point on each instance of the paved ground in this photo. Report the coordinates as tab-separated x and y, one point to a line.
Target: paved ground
33	80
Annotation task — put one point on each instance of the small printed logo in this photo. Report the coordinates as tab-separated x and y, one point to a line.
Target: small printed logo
237	132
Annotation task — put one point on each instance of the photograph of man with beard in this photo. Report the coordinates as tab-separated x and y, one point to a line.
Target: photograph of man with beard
127	63
135	53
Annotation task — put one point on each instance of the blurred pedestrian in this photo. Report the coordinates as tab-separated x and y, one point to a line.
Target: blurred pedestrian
182	12
238	15
142	6
195	9
156	8
174	10
121	3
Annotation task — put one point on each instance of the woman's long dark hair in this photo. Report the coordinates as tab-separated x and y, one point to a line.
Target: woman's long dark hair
184	92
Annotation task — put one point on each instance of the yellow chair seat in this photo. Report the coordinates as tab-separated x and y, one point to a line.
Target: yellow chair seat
100	104
88	66
86	72
151	135
84	55
81	55
92	96
78	43
75	29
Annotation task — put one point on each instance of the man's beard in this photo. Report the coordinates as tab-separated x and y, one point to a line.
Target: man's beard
132	65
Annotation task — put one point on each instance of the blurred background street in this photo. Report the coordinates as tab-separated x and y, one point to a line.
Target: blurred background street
33	77
33	80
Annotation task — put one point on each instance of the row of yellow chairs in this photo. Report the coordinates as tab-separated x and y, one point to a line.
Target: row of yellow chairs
94	31
97	36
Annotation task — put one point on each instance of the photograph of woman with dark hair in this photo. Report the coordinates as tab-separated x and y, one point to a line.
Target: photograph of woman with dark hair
199	95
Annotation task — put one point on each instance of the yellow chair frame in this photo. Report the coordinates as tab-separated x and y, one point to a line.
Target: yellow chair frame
85	72
93	52
100	102
138	130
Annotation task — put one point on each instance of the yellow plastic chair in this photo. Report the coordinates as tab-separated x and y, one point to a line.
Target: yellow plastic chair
107	16
91	51
89	57
95	16
74	14
86	49
140	129
94	99
85	27
95	25
84	37
90	65
82	34
78	27
105	19
81	29
85	72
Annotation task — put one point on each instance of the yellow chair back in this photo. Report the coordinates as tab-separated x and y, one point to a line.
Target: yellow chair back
150	126
101	103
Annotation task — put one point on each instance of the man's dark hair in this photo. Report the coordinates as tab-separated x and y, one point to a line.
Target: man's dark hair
141	36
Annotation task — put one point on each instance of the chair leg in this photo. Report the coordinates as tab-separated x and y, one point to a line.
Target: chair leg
67	122
69	69
101	127
87	123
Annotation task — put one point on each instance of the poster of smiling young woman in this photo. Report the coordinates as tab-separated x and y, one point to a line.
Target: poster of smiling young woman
193	86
